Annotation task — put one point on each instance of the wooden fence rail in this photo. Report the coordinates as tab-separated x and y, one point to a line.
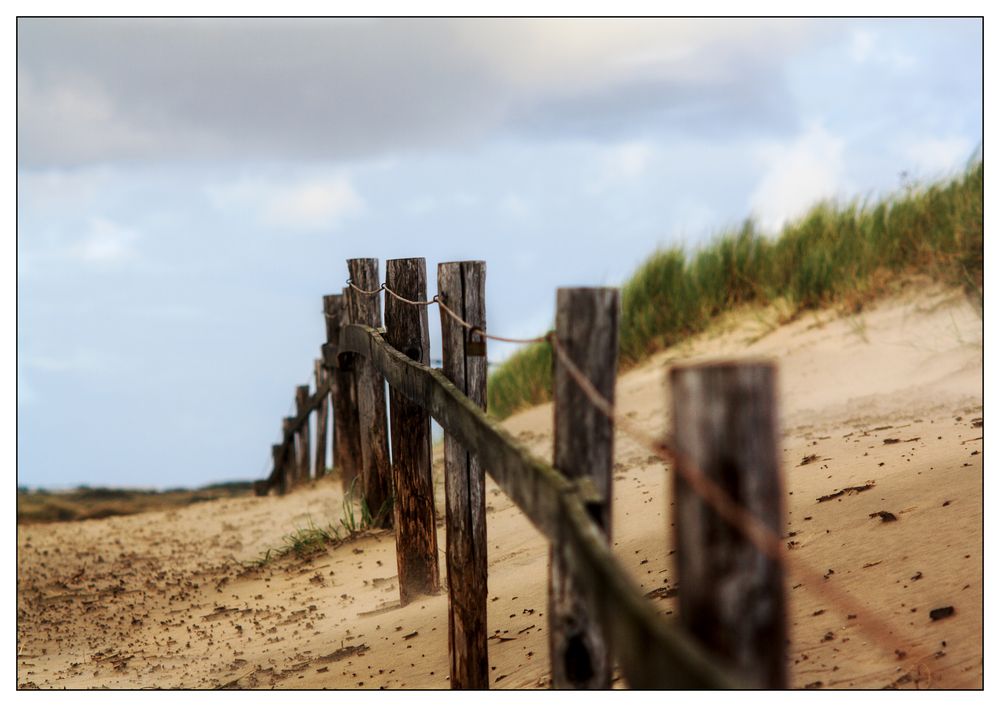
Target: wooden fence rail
724	420
283	475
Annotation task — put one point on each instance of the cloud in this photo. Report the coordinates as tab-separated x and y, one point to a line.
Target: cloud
868	47
130	89
934	156
107	244
316	204
797	175
861	46
629	160
621	163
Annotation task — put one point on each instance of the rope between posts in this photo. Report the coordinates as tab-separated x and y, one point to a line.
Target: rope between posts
762	537
436	299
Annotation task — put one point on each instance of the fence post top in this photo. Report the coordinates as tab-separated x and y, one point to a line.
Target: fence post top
404	260
724	365
588	289
462	262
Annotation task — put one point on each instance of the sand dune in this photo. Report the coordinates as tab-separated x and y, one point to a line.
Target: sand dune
890	398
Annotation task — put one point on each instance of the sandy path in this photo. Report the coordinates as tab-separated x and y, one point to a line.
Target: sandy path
164	599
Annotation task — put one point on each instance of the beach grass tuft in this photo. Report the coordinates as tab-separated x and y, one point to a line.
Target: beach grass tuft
835	253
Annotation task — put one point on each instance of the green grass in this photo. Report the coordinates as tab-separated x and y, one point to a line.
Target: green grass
836	253
312	539
86	503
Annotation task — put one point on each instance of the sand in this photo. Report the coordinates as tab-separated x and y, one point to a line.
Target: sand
167	599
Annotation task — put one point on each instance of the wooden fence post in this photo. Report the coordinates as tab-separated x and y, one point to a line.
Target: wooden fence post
376	474
731	596
278	465
289	471
587	330
410	427
302	433
319	468
462	287
344	394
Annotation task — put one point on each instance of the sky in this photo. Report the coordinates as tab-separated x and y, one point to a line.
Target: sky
188	190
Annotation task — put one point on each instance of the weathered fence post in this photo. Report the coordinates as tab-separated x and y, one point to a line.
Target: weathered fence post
319	467
302	433
289	463
376	474
731	596
587	330
277	463
410	427
343	392
462	288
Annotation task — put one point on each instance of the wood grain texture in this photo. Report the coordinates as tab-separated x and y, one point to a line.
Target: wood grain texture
462	287
302	446
587	329
375	472
410	428
322	415
731	595
652	653
289	454
277	479
344	394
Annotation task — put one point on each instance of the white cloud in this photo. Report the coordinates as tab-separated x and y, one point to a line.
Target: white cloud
316	204
85	93
862	43
624	162
104	244
797	175
933	156
108	243
868	47
75	115
629	160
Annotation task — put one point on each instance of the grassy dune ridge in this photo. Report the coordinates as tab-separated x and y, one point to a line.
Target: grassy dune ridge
836	253
85	503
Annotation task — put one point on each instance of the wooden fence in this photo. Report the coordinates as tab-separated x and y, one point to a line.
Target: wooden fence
731	630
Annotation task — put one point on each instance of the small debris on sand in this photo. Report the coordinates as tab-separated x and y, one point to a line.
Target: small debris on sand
846	490
884	516
942	612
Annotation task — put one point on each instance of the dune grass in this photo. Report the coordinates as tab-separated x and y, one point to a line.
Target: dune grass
836	253
86	503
